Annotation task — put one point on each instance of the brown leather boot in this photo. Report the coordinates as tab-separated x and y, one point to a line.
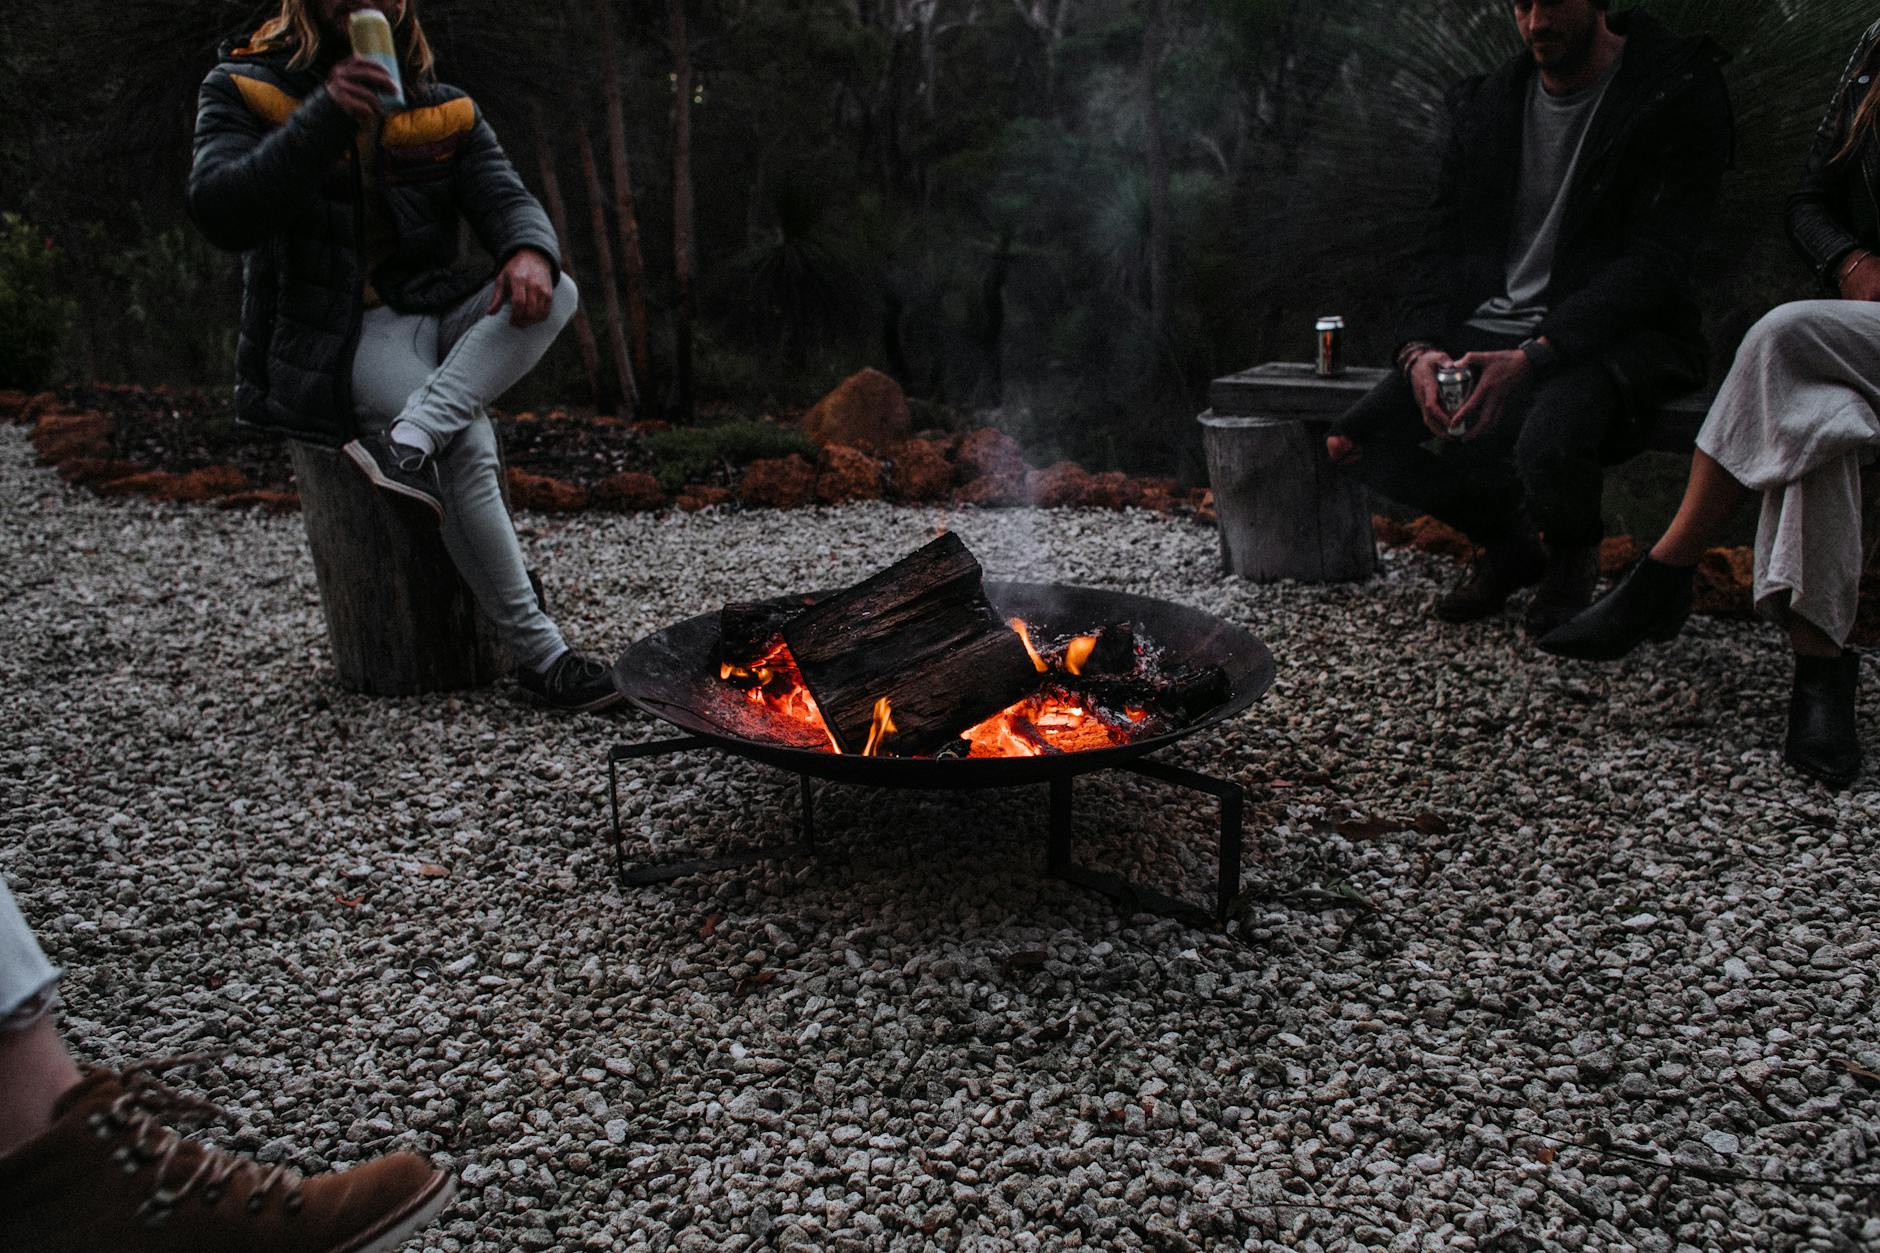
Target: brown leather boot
109	1177
1498	572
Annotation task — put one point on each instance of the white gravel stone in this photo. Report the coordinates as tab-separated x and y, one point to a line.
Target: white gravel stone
1514	929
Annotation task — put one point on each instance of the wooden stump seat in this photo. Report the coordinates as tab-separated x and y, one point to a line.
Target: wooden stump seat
399	618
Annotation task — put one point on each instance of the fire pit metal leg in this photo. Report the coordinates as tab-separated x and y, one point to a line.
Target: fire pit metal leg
663	872
1059	864
1057	858
809	813
1233	810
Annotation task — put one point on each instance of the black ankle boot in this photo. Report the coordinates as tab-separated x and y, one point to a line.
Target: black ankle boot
1498	572
1566	589
1824	740
1650	603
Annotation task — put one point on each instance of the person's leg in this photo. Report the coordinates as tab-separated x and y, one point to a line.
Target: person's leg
482	542
1712	497
1556	454
1468	486
87	1165
35	1068
481	355
1802	393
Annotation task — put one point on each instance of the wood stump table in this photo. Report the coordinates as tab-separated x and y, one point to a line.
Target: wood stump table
1284	511
399	618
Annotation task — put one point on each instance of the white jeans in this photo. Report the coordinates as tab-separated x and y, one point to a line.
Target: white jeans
1795	420
440	372
28	982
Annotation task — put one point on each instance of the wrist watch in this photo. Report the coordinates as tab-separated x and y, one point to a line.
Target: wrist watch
1542	355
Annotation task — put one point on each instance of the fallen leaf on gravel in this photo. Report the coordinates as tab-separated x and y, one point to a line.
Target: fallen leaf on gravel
711	925
749	982
1025	959
350	902
1431	824
1859	1074
431	870
1545	1156
1367	828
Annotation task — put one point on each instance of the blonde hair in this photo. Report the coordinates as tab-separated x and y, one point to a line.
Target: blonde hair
294	27
1866	115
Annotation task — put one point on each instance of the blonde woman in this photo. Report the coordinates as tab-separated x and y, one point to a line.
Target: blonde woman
360	327
1795	421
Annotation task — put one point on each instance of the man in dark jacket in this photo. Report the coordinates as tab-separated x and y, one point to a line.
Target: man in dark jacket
359	329
1575	183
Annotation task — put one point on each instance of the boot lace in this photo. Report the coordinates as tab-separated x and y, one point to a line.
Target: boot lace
136	1117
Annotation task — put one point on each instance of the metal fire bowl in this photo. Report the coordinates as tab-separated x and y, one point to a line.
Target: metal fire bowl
673	675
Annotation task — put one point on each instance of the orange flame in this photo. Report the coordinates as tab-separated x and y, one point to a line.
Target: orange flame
1050	720
1024	634
881	728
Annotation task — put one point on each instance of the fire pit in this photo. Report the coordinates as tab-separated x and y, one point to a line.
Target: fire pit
675	675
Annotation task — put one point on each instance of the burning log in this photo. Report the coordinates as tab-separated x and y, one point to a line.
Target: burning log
920	634
747	630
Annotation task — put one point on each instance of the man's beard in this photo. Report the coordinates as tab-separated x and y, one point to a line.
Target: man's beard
1563	56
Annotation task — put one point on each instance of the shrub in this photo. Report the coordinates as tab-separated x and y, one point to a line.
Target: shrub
687	454
33	315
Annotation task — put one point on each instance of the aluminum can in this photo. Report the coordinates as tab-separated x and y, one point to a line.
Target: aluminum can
372	39
1453	385
1331	346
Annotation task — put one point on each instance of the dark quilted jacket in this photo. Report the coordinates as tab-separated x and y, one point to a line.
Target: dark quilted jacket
1836	209
275	177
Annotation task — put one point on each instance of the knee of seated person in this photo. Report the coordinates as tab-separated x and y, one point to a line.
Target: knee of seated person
1798	321
567	299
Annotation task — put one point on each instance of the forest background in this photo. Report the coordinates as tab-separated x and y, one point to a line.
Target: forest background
1067	214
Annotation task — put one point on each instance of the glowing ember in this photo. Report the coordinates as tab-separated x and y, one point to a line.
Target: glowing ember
774	684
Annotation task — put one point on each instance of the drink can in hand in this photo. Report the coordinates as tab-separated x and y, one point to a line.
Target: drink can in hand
372	40
1331	346
1453	385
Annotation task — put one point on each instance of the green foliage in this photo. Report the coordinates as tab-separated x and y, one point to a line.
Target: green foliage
178	296
687	454
33	315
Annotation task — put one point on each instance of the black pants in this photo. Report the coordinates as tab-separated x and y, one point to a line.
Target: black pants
1539	467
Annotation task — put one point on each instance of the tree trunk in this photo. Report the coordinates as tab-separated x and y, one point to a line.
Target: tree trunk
682	211
616	333
558	214
626	215
1156	155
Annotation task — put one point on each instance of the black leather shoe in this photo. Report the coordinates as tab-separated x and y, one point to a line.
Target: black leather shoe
398	468
1498	572
1650	603
1824	740
1566	589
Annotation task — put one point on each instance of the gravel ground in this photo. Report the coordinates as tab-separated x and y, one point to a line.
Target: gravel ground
1535	955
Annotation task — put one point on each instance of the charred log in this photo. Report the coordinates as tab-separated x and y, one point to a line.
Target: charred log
920	633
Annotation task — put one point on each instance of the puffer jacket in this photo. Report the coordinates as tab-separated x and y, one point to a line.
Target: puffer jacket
1837	209
1641	198
276	177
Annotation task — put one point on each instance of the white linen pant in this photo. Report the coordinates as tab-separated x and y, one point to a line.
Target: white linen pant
440	372
28	982
1795	420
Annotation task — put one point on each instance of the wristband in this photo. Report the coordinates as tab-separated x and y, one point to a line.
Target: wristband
1542	355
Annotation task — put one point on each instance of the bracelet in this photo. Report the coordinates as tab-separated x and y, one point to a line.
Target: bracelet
1849	271
1408	354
